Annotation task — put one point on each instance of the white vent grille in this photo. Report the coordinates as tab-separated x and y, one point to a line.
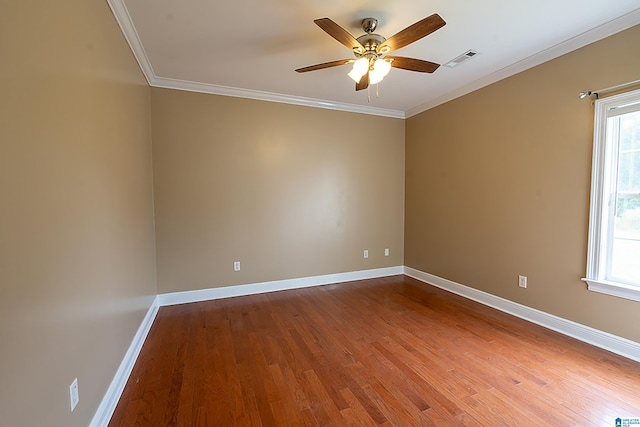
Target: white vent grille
460	59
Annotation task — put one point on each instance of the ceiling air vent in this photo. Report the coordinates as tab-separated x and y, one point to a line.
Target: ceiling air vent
460	59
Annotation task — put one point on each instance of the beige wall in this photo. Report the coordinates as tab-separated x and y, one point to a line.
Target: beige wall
498	182
288	191
497	185
77	269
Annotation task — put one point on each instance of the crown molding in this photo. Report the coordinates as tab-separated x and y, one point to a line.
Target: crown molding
123	18
605	30
121	13
169	83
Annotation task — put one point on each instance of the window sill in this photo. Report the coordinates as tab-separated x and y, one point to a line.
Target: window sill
613	288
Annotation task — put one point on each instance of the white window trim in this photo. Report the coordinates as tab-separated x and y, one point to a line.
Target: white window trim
613	288
595	259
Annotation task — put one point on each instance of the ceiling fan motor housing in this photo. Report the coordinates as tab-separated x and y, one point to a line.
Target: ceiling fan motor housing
370	43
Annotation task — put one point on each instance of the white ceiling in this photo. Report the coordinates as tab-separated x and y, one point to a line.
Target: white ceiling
250	48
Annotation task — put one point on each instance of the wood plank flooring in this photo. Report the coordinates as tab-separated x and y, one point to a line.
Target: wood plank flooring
380	352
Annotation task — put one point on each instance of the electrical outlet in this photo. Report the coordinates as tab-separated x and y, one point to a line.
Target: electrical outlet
366	253
522	281
236	266
74	395
386	252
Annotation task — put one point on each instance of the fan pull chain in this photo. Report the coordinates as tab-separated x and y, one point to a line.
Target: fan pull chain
377	86
368	94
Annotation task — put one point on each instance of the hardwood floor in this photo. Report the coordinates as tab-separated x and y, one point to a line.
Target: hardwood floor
388	352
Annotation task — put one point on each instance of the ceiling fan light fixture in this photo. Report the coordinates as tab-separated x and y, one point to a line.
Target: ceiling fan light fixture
360	68
380	69
354	76
382	66
375	78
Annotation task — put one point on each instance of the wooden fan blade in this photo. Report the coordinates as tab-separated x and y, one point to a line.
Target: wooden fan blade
413	64
413	33
324	65
363	83
339	33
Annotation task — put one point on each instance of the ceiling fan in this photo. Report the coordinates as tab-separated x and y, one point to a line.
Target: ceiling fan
371	50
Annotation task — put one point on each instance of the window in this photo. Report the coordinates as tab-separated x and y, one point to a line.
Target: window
613	264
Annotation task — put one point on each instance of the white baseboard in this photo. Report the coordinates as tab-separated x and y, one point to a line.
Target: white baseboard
104	412
615	344
277	285
112	396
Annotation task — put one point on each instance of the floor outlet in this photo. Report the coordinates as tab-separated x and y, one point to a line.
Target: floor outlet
236	266
74	395
366	253
522	281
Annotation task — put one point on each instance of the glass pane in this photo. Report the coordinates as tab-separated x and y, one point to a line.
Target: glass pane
625	256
